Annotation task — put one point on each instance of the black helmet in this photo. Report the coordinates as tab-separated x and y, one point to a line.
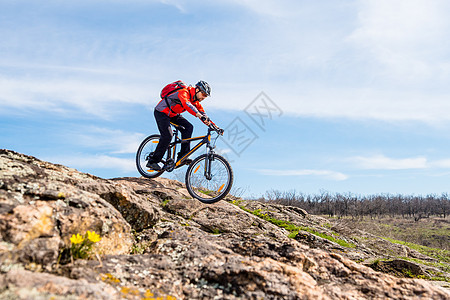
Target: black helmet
204	87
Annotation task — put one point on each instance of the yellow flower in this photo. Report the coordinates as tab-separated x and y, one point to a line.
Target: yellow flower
76	239
93	237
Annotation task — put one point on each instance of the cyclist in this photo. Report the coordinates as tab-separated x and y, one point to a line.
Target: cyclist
169	110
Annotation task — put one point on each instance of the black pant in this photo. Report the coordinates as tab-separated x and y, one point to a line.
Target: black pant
163	122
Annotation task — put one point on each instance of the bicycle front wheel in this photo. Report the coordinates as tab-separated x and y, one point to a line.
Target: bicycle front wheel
147	147
209	178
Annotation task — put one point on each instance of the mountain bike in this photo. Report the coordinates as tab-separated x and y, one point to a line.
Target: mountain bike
209	177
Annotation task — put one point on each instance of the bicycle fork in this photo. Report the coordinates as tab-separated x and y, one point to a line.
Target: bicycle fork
208	160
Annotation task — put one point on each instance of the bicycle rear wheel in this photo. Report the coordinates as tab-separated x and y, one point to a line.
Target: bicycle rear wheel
147	147
214	188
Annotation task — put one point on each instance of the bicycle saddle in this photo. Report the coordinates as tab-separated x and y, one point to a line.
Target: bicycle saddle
177	126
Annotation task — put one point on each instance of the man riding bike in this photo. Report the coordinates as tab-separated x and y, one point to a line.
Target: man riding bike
169	110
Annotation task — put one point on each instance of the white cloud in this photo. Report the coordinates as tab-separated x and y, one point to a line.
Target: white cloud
124	165
305	172
443	163
405	36
391	66
178	4
319	60
385	163
367	103
382	162
113	141
269	8
87	95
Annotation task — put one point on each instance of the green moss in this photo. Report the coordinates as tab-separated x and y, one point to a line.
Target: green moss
206	192
408	273
440	254
292	235
215	231
440	278
294	229
165	202
440	265
327	225
236	201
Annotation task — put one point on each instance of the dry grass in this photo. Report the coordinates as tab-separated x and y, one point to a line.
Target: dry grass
431	232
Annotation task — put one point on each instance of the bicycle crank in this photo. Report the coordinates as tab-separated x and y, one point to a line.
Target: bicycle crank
169	166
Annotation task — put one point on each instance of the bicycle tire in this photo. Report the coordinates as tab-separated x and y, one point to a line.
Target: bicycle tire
215	189
147	146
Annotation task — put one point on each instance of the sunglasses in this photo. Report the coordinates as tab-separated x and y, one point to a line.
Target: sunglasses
203	93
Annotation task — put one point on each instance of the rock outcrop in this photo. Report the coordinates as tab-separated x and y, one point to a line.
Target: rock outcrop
159	242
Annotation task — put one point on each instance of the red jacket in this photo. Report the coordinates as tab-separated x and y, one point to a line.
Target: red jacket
179	102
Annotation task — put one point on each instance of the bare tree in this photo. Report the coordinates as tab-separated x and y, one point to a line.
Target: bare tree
357	206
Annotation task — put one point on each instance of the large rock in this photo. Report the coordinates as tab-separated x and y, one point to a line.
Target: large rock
23	284
42	205
181	248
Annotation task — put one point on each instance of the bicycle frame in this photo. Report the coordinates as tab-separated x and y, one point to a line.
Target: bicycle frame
205	139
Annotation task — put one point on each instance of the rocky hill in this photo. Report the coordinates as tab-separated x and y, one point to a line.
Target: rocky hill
158	243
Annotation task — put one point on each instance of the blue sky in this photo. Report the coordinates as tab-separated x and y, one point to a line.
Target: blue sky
342	96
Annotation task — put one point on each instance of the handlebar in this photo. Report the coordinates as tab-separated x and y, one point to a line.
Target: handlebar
214	127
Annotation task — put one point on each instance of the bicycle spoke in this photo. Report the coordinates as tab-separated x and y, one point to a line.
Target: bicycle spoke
213	189
145	149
